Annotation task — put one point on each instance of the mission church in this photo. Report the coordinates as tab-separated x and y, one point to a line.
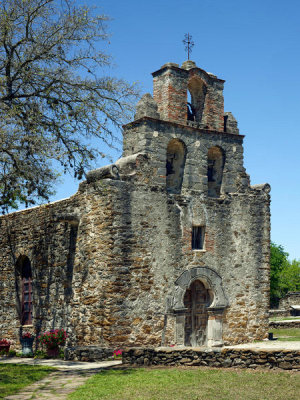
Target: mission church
167	246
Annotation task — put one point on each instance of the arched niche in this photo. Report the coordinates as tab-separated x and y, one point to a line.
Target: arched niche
176	154
196	98
190	330
211	280
215	167
24	289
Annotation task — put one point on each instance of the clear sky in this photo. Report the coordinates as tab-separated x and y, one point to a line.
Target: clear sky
253	45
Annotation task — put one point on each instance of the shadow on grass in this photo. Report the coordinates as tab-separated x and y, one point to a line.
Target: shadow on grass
14	377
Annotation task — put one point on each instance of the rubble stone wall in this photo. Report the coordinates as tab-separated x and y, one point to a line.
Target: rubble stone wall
290	299
225	358
107	261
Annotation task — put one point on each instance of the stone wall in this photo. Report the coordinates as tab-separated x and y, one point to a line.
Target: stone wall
88	353
225	358
234	247
279	313
284	324
290	299
43	234
113	263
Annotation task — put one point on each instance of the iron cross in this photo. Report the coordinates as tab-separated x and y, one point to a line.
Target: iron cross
188	43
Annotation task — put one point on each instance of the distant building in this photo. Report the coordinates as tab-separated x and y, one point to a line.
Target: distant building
290	303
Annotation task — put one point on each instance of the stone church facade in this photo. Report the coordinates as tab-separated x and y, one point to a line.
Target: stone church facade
169	245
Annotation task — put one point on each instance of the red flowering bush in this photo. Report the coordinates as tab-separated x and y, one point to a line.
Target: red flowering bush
117	353
53	338
5	342
27	335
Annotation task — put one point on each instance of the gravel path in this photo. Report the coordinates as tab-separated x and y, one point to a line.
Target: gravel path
59	384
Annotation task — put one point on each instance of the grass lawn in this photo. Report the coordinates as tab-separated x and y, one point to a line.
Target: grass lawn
190	384
284	318
14	377
288	334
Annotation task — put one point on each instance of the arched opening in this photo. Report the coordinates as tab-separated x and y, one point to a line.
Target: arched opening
215	166
196	300
25	274
176	153
196	99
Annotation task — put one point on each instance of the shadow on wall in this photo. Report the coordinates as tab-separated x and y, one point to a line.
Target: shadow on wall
215	166
176	155
43	282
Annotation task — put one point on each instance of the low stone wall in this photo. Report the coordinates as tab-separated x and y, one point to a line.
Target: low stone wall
87	353
284	324
238	358
279	313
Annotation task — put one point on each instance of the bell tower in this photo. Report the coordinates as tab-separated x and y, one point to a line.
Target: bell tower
171	85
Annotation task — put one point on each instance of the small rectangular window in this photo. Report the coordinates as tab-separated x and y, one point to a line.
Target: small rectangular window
198	234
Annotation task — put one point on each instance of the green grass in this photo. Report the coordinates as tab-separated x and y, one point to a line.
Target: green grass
14	377
189	384
287	334
284	318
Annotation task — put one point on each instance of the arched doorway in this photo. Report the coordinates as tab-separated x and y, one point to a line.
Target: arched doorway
196	300
208	306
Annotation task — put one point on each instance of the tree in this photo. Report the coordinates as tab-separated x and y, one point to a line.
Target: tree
289	279
52	102
284	275
278	262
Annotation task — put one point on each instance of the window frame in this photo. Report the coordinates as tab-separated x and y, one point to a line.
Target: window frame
198	238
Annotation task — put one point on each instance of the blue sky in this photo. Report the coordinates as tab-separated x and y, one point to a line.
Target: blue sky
253	45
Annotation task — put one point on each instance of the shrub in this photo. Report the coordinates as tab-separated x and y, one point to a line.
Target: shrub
53	338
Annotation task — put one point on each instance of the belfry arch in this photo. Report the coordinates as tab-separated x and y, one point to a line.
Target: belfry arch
175	162
215	167
199	302
197	90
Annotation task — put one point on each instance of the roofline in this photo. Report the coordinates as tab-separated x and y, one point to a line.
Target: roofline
146	118
164	67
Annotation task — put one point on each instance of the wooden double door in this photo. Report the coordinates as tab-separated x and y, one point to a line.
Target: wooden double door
196	300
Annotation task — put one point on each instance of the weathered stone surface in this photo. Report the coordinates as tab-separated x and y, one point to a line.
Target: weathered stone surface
225	358
114	264
146	107
288	302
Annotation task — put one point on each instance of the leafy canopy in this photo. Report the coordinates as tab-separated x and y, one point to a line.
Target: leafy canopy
284	275
52	100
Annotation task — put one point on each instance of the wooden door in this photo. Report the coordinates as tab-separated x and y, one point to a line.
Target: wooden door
196	300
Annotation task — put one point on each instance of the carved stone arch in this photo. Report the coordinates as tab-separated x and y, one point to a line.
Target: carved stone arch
211	333
211	280
197	89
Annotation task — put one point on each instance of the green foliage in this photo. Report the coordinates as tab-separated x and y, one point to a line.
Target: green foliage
290	277
278	261
52	100
284	276
53	338
12	353
40	354
14	377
